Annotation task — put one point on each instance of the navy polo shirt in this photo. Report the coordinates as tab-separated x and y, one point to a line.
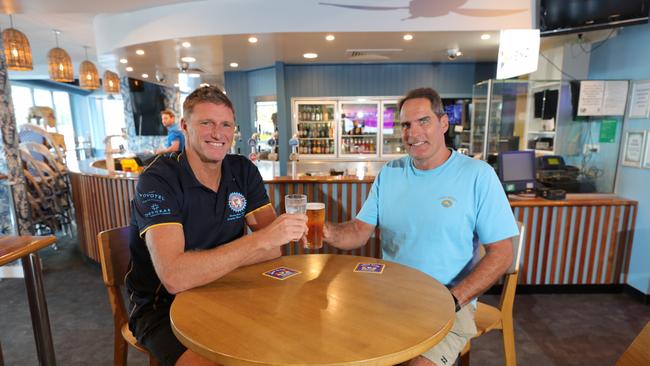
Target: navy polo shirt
168	193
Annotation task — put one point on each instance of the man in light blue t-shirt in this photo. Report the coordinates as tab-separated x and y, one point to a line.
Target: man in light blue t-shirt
433	207
175	141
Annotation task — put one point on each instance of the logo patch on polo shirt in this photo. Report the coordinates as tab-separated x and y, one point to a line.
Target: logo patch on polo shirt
447	202
237	202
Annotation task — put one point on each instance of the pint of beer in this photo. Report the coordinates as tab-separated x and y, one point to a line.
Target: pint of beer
315	222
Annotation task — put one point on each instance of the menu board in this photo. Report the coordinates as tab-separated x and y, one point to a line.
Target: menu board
602	98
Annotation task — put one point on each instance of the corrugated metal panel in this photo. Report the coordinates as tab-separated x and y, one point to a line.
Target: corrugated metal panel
262	82
377	79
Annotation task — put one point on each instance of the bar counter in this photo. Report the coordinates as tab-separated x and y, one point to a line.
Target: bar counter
582	240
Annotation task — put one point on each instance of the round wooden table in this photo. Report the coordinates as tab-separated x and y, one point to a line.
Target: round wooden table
326	315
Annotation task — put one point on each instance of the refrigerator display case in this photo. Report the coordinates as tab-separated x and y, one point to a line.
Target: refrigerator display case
347	129
391	133
315	127
359	128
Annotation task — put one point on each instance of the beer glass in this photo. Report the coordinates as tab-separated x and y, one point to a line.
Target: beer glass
315	223
295	203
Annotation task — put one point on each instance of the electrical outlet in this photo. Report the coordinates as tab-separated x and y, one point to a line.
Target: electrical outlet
591	148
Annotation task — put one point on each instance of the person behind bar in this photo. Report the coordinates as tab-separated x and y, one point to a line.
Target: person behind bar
433	206
189	215
175	140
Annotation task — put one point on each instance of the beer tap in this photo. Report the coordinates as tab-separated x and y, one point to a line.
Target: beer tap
109	151
273	156
252	142
236	137
294	156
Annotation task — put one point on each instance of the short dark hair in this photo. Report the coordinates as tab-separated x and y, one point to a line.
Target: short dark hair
168	112
206	94
426	93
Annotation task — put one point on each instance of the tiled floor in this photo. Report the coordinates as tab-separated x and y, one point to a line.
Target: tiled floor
589	329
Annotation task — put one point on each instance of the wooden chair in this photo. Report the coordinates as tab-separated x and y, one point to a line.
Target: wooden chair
638	353
114	257
488	317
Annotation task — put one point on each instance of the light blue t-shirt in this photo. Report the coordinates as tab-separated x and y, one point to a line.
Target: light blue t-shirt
173	133
432	220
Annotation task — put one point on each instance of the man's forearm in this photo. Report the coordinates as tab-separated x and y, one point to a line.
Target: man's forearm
491	267
347	235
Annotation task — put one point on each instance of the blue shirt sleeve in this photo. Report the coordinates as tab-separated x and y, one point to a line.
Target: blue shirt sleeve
495	220
370	211
174	135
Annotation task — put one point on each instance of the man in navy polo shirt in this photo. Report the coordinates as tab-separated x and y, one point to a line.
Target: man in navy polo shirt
189	215
431	206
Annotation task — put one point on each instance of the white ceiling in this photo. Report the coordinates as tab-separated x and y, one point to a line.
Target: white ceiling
278	41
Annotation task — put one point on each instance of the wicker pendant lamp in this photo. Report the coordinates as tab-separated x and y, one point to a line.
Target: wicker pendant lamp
59	63
18	54
88	76
111	82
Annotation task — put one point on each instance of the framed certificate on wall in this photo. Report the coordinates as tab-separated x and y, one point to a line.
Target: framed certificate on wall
633	152
646	155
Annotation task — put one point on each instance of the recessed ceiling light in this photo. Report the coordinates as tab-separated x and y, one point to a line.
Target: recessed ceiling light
145	75
139	52
234	65
129	68
485	36
252	39
186	44
458	53
408	37
193	75
123	61
330	37
224	91
188	59
176	85
310	55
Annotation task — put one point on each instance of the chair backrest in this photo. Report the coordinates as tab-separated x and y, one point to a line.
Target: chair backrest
114	258
517	244
638	353
512	274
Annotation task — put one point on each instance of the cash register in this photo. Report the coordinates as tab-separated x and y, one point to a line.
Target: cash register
552	172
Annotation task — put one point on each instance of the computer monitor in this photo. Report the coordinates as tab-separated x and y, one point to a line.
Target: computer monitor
454	113
517	170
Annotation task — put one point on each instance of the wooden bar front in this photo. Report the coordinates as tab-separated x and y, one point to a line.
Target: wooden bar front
585	239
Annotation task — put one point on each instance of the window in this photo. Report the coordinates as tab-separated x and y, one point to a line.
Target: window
22	100
264	124
43	98
64	117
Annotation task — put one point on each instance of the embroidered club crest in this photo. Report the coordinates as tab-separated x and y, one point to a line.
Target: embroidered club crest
237	202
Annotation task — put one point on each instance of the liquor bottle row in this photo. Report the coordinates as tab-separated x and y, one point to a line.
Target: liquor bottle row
358	146
315	130
315	113
316	147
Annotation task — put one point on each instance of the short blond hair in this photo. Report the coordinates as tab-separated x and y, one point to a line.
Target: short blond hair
206	94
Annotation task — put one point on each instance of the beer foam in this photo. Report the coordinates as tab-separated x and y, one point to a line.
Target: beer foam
315	206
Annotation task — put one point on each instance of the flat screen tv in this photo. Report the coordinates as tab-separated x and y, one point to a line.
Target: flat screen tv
147	101
546	104
556	17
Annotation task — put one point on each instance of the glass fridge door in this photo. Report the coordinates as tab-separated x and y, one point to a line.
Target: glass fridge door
391	132
359	128
315	126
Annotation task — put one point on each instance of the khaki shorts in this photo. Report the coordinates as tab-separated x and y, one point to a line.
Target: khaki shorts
446	352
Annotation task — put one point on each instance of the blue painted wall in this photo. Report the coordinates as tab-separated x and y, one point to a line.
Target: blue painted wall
330	80
626	57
